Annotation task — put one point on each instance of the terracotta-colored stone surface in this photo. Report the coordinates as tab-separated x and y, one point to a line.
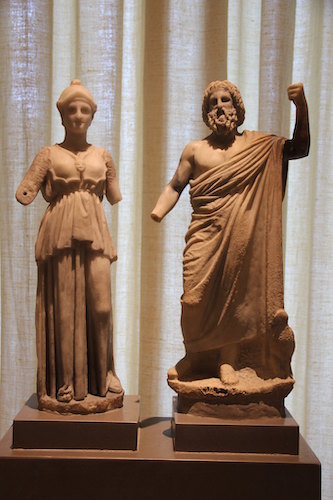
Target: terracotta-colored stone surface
74	251
233	313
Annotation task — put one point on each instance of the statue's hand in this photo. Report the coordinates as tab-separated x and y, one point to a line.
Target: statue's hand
296	94
299	145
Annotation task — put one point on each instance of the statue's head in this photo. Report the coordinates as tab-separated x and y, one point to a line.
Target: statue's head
77	108
222	107
74	92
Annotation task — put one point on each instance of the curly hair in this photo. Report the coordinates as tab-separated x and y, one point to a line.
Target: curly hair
236	98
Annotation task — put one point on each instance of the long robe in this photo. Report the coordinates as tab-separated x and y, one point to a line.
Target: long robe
72	231
232	268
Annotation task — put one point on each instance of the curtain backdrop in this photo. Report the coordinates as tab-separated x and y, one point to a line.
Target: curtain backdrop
146	64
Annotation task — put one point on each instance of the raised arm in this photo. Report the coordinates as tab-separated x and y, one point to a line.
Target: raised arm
299	145
173	190
34	178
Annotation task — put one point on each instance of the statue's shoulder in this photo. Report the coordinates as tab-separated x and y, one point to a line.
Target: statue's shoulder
190	149
45	150
43	155
103	153
99	149
192	145
257	134
253	134
196	145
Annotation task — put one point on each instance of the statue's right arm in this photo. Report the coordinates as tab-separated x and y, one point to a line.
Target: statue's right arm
299	145
34	178
171	193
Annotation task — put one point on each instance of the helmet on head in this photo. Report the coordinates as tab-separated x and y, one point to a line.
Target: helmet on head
75	91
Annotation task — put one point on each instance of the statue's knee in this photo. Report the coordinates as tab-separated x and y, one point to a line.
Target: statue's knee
101	311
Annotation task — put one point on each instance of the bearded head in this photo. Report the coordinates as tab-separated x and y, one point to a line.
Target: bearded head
219	120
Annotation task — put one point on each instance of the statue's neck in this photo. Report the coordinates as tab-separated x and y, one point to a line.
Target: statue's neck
75	143
223	141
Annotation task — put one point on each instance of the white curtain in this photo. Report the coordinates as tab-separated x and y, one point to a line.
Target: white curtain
147	64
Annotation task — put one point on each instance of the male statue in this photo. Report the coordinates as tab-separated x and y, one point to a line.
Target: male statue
232	307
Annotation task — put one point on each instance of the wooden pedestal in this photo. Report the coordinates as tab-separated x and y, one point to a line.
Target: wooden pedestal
261	435
153	471
113	430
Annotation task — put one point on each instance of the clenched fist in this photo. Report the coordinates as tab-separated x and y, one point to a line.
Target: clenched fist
296	94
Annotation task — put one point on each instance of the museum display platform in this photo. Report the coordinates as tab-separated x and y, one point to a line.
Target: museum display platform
268	435
111	430
155	471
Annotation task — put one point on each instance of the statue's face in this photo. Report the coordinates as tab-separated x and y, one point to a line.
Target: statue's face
222	115
77	116
221	99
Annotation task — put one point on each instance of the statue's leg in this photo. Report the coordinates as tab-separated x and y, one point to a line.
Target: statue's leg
98	283
183	369
195	365
63	276
44	371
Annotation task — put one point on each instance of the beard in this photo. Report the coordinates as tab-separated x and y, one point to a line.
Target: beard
222	123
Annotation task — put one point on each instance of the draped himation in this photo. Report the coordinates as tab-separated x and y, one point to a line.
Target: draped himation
233	281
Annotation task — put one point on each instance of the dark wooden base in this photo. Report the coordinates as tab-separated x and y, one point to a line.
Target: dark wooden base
113	430
156	471
260	435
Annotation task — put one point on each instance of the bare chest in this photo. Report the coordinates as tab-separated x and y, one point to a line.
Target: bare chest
207	156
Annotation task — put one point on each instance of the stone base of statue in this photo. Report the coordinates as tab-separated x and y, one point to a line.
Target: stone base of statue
111	430
90	404
247	416
242	434
251	397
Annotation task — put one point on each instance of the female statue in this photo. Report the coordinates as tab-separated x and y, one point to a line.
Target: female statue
74	251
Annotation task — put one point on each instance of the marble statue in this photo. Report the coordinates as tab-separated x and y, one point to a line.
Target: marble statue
74	251
237	339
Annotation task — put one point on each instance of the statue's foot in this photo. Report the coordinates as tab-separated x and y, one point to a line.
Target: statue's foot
228	375
65	394
113	383
182	370
172	373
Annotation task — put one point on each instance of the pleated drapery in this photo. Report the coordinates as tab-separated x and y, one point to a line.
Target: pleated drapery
147	63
